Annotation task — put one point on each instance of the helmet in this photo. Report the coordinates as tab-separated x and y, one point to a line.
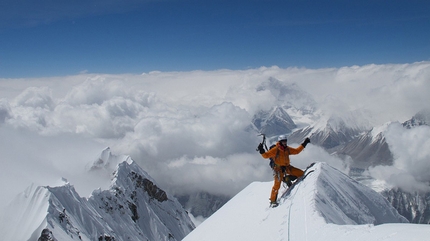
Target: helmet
282	138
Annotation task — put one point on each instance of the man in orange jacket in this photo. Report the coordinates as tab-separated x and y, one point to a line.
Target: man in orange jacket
281	156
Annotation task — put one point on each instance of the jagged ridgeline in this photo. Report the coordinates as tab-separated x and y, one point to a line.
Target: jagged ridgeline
134	208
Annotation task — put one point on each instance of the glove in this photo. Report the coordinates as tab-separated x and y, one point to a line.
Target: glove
261	148
307	140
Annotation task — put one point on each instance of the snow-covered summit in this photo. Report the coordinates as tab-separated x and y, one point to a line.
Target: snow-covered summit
327	205
273	122
289	95
134	208
421	118
107	162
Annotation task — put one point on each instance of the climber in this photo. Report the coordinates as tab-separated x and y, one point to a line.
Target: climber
280	153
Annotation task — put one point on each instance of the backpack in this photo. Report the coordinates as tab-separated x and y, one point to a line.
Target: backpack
272	160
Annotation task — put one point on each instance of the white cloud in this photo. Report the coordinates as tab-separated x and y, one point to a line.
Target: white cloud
411	150
224	176
191	129
5	110
392	92
35	97
27	157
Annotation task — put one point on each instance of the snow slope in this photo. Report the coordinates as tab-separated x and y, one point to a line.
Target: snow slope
327	205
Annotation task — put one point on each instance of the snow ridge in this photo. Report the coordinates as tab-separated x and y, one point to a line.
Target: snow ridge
326	205
354	203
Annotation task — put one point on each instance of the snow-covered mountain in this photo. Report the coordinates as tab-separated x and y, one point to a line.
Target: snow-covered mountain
421	118
332	132
299	114
106	162
351	135
414	206
327	205
290	96
293	106
274	122
368	149
134	208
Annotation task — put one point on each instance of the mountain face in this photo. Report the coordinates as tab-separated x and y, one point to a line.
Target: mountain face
273	122
368	149
294	107
134	208
203	203
346	137
330	134
328	138
326	205
421	118
341	200
414	206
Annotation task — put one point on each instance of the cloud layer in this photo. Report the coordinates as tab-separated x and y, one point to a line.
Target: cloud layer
191	130
411	150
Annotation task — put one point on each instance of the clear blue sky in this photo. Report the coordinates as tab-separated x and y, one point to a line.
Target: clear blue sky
51	37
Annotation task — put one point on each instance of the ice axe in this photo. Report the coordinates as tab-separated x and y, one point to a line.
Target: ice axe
263	142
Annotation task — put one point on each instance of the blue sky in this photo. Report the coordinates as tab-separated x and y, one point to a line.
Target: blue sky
57	38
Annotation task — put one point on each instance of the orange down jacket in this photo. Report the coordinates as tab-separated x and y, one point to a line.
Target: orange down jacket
281	154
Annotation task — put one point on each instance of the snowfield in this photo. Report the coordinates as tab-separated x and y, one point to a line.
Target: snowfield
327	205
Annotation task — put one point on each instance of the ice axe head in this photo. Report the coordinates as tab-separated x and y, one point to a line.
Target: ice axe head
264	140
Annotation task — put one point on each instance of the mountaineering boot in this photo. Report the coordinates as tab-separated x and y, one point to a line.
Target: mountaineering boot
274	204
